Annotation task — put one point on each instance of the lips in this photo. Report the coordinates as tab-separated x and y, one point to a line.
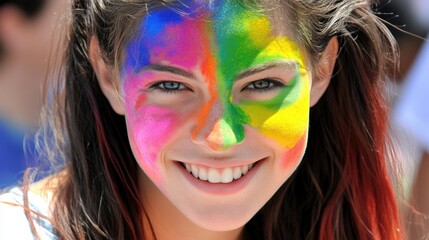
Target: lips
217	175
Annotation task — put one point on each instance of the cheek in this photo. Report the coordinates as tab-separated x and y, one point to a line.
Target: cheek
286	124
292	156
149	129
288	128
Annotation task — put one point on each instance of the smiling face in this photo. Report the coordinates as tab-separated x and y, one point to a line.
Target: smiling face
217	109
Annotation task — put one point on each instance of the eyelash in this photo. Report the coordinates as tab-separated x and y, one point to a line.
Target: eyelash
157	86
272	84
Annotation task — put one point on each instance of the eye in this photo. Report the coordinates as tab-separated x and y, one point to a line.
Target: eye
169	86
263	85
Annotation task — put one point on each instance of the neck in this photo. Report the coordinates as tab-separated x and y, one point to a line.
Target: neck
169	223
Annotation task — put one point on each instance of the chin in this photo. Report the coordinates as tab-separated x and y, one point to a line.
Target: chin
221	215
219	222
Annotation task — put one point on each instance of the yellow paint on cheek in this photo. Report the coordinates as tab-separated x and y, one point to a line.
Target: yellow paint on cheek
288	122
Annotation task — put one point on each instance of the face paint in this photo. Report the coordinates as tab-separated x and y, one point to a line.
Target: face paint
217	45
149	136
192	90
285	117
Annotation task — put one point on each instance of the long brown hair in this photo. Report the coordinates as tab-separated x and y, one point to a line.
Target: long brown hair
341	190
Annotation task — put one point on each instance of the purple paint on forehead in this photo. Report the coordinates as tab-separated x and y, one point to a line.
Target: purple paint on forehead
151	27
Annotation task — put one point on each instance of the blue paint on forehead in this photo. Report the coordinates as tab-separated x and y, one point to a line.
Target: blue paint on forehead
151	26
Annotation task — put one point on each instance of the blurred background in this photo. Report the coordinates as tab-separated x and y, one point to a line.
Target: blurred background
409	23
31	34
409	121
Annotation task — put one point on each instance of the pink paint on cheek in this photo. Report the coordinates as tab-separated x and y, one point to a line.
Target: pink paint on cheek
133	84
293	156
150	129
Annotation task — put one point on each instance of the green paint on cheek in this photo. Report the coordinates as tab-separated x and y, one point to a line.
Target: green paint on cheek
285	117
287	96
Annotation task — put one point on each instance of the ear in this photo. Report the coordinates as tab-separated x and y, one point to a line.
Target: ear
104	73
323	71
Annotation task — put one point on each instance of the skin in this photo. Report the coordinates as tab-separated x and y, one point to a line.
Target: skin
217	60
214	59
215	113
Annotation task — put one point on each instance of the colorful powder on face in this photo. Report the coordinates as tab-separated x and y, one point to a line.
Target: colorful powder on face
220	44
293	156
284	118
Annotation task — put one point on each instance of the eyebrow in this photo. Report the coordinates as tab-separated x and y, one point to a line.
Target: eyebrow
264	67
169	69
244	74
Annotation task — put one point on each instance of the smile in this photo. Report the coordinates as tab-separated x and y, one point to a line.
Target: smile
215	175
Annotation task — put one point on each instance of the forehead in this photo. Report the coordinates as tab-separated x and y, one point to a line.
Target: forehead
227	36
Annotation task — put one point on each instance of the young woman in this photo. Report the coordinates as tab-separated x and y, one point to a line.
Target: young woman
220	120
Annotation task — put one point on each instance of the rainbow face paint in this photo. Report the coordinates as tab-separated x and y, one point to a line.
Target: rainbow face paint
208	52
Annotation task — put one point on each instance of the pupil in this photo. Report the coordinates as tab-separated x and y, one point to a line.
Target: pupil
171	85
261	84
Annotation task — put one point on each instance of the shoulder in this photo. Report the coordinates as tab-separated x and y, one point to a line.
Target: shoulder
13	221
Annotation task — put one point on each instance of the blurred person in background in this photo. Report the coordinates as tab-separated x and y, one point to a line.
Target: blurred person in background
412	114
30	33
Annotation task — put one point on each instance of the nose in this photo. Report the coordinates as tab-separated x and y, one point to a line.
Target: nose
221	128
222	136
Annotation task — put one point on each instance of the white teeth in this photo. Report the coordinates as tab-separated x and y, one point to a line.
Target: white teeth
203	174
214	175
237	173
227	175
194	171
244	169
